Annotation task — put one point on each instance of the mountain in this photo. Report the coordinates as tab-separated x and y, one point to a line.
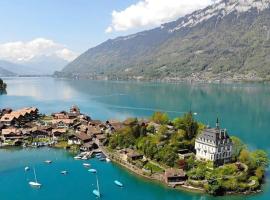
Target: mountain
17	69
229	41
46	65
5	73
42	65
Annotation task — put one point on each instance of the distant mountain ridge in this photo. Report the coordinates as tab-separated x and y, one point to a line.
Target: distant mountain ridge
43	65
229	40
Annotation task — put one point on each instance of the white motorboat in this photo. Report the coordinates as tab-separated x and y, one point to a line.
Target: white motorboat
26	168
48	161
77	157
86	165
64	172
108	160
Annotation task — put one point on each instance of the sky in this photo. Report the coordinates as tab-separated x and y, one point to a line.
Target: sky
67	28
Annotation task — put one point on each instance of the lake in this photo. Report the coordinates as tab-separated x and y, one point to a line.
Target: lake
243	109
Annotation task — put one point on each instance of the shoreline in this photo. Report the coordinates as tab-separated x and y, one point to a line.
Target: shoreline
187	188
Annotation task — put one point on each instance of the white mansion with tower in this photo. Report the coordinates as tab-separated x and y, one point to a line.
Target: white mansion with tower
214	144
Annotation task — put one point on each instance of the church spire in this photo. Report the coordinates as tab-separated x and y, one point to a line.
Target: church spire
217	123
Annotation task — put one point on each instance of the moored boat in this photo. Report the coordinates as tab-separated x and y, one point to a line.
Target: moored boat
77	158
118	183
48	161
26	168
96	193
92	170
64	172
86	164
35	184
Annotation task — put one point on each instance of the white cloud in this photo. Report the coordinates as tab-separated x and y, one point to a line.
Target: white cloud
26	51
152	13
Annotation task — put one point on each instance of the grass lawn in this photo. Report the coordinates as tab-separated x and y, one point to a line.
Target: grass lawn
153	168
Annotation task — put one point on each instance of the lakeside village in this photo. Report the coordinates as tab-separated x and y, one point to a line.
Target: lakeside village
180	153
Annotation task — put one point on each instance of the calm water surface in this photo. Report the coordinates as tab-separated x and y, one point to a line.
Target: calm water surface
244	109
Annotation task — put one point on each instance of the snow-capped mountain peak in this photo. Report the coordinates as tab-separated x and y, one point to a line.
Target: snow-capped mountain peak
221	9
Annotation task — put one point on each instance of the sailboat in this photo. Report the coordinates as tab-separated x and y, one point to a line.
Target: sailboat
96	192
35	183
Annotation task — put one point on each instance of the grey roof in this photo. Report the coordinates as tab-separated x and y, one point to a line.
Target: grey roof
214	134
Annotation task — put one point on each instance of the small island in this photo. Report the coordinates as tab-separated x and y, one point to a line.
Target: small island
181	153
3	87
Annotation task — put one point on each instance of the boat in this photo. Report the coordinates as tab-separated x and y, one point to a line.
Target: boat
48	161
64	172
108	160
118	183
96	192
102	159
26	168
84	158
86	165
35	183
92	170
77	157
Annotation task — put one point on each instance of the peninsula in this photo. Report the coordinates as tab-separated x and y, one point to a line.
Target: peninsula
181	153
3	87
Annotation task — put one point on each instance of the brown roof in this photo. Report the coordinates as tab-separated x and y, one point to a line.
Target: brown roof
59	130
65	121
82	136
93	130
172	172
8	131
18	113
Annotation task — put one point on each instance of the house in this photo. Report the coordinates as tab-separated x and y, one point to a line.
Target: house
79	138
39	132
60	115
94	130
100	139
184	153
175	176
21	116
56	133
8	119
89	146
130	155
214	144
11	134
75	110
63	123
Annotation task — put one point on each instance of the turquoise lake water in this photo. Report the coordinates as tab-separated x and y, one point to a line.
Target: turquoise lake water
244	109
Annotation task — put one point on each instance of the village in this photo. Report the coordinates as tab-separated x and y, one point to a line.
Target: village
180	153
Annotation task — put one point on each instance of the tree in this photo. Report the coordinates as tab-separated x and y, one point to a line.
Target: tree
160	118
187	123
3	87
260	158
150	129
244	156
259	172
238	146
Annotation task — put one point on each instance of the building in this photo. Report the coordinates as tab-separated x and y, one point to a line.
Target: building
214	144
184	154
79	138
11	134
21	116
175	176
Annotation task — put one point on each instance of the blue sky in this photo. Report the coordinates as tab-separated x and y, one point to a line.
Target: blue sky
67	28
79	24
